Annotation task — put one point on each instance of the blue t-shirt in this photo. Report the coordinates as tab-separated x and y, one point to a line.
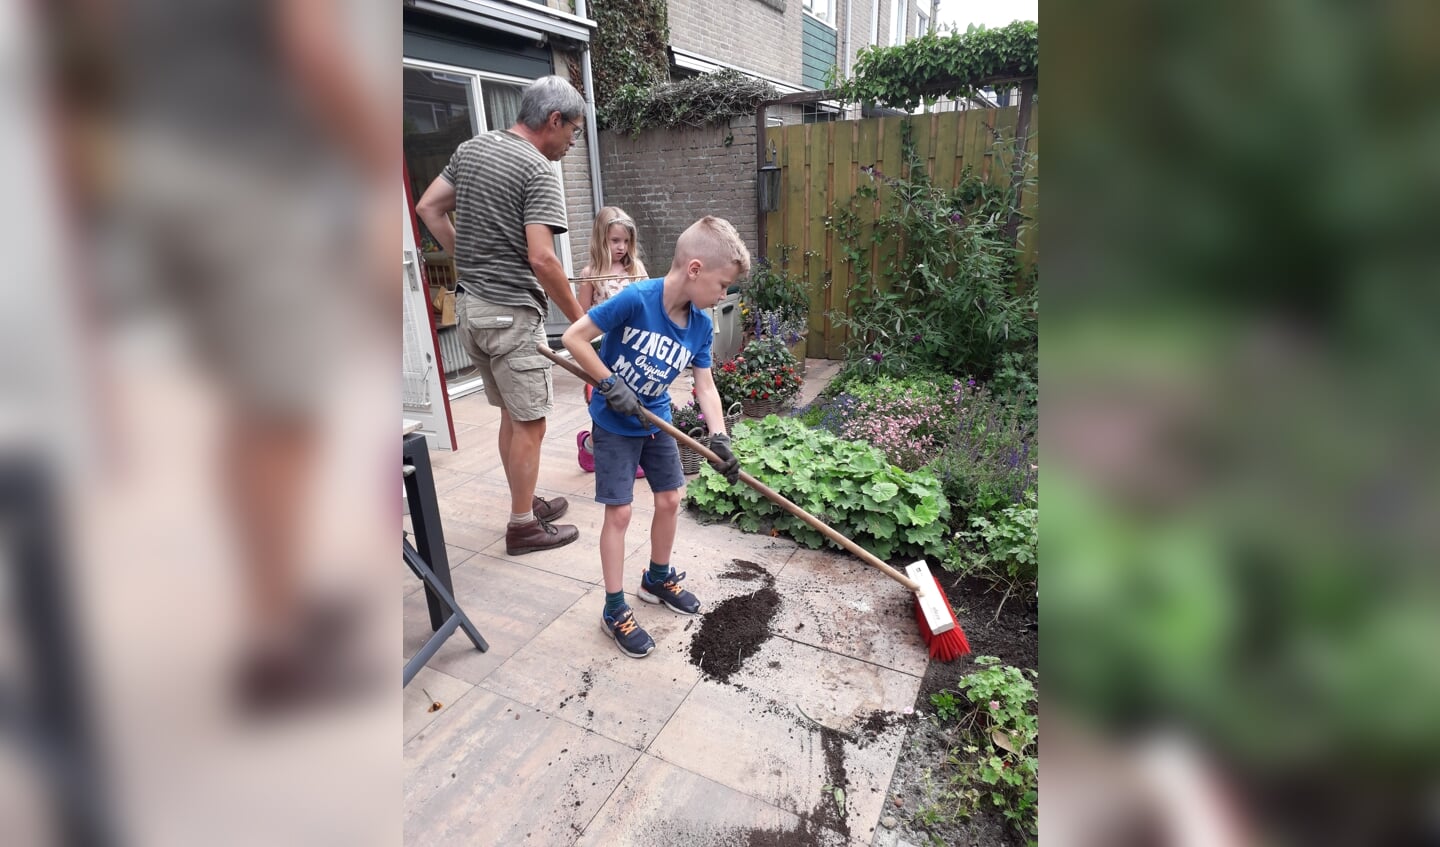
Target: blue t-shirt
643	347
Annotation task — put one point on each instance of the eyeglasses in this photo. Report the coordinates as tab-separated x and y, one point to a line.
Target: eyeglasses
579	130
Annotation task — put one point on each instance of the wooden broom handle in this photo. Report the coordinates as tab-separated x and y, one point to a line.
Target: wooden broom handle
770	494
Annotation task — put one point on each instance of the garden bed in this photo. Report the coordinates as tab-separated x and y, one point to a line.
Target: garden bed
925	812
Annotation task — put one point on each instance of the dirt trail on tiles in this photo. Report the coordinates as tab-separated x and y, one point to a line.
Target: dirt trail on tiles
730	634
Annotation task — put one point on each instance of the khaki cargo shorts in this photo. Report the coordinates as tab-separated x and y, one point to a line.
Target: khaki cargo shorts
502	340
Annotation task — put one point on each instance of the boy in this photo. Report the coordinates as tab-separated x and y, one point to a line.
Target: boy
653	329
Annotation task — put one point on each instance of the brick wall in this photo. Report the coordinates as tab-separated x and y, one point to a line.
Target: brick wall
668	179
745	33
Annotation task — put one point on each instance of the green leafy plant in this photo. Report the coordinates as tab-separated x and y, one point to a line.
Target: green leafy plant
1004	733
945	293
1002	543
950	65
947	708
848	484
1017	379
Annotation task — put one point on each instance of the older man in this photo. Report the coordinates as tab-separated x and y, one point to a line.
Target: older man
508	207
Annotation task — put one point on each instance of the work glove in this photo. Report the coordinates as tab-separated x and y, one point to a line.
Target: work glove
728	466
622	399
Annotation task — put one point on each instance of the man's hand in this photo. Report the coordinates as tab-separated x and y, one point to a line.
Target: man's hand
728	466
622	399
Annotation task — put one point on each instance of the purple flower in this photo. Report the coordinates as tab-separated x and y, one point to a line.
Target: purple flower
956	218
916	338
970	382
877	356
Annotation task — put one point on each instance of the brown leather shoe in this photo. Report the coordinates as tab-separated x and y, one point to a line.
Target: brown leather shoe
538	535
549	510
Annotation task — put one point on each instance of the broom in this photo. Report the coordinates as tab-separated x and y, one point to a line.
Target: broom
938	625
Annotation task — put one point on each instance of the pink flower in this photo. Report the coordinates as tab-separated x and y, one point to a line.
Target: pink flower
994	705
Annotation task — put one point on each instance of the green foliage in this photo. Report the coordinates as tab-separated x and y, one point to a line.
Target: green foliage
947	707
945	296
630	47
847	484
990	460
1003	544
698	101
1017	380
935	65
1006	734
775	302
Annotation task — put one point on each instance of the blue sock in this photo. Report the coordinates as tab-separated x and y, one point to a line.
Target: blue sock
659	573
614	603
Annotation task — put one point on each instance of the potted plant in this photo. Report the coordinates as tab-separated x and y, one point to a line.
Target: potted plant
775	304
765	375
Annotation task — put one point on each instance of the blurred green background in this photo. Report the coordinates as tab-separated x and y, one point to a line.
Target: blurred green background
1239	396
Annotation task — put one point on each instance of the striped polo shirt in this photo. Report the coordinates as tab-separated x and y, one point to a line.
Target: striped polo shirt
502	183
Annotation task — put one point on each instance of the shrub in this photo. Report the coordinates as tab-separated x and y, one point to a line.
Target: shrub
1003	543
946	295
847	484
990	459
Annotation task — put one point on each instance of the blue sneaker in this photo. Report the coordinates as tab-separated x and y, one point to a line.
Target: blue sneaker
629	637
669	592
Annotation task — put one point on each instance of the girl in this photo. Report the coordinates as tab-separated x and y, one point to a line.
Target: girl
614	264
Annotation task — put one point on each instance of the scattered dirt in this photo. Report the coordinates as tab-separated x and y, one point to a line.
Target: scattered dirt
586	682
737	628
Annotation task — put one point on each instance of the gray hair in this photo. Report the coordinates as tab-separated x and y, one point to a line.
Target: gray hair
549	94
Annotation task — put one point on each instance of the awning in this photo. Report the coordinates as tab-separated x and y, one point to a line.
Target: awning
518	18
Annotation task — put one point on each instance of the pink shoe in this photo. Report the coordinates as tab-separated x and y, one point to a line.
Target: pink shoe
639	472
586	458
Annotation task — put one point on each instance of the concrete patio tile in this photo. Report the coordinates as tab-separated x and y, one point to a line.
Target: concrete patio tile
573	671
457	556
508	603
747	734
496	772
660	804
707	549
580	559
481	501
475	410
838	603
442	687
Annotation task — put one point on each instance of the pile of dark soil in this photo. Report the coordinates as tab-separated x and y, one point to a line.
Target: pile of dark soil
735	630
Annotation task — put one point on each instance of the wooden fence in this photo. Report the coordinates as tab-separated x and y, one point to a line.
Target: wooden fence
820	168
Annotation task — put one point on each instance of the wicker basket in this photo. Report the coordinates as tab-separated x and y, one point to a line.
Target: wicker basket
689	459
761	408
733	415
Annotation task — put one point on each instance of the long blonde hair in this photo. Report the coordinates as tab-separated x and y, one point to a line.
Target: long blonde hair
600	244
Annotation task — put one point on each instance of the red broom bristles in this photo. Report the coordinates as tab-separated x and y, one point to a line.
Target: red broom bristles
947	646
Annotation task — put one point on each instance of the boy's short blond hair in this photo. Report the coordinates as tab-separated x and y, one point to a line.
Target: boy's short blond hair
714	242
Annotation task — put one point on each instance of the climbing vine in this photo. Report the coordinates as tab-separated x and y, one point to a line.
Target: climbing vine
935	65
629	48
698	101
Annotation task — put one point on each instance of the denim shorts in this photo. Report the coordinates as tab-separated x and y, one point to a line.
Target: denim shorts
616	457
